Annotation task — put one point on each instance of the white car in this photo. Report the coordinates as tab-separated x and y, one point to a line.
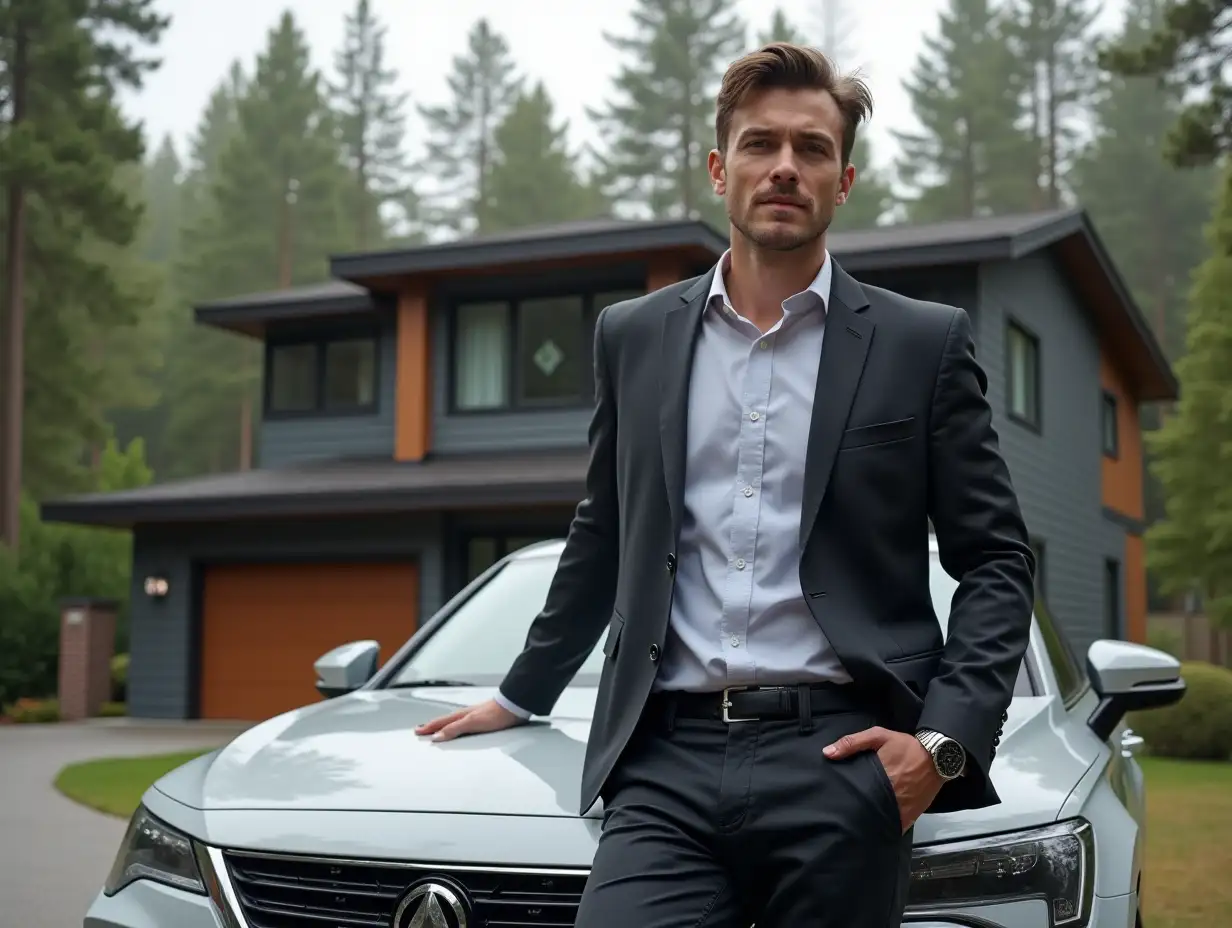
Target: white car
336	815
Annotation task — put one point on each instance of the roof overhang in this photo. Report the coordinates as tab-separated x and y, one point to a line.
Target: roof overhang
340	488
254	313
536	248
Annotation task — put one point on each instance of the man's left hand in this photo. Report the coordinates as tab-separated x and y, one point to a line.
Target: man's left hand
907	763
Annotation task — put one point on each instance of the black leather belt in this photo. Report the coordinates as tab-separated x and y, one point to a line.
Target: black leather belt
763	703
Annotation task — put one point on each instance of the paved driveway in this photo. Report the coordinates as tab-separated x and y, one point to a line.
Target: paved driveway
54	853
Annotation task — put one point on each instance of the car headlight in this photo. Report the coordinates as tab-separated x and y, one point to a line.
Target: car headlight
1055	864
153	850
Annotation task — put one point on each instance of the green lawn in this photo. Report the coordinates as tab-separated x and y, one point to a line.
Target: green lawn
1189	828
115	784
1186	880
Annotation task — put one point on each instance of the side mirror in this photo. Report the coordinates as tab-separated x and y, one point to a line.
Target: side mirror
1130	677
346	668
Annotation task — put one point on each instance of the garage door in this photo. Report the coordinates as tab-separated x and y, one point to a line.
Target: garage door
263	625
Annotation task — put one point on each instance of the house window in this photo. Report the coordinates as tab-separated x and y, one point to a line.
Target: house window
1041	575
528	353
1112	598
1108	425
482	551
328	375
1023	379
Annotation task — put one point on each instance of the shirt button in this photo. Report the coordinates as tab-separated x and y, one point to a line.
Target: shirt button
735	641
763	344
748	491
754	415
739	563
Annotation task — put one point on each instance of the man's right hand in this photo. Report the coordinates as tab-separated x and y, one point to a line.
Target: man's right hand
472	720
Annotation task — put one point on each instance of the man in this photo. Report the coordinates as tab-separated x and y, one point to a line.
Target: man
769	444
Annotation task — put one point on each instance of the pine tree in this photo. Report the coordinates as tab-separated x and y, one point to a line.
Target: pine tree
1054	40
372	124
1190	47
969	158
534	179
1149	213
69	220
273	215
1190	549
483	86
658	128
781	29
161	198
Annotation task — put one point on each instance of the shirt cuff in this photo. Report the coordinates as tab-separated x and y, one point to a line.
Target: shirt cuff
511	707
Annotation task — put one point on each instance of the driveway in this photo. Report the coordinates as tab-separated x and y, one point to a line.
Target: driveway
54	853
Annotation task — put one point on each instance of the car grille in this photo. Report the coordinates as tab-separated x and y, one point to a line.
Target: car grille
294	892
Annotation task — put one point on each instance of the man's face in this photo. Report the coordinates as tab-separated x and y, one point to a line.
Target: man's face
782	175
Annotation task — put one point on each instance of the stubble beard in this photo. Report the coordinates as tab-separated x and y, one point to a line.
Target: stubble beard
781	237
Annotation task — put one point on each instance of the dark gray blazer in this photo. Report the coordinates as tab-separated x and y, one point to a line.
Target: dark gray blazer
901	434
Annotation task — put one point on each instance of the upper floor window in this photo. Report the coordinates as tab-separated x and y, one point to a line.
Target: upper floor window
1108	425
1023	374
526	353
336	374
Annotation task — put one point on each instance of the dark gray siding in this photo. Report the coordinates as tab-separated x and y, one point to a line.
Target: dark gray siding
286	441
162	669
1056	471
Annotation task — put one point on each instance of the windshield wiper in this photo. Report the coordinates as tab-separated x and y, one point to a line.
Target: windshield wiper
438	681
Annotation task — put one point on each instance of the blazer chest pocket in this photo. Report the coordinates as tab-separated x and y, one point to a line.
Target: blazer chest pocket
879	433
612	641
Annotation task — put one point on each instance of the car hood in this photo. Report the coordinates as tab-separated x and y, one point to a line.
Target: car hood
360	753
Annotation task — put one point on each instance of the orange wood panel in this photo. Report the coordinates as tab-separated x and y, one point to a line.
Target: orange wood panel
413	408
1135	588
665	269
265	624
1122	475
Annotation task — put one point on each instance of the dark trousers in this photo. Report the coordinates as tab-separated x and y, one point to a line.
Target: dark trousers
716	824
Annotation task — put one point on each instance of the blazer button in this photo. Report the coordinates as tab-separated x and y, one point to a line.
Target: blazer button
671	563
654	653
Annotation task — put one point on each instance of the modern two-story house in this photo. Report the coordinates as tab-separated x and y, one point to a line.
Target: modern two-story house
426	412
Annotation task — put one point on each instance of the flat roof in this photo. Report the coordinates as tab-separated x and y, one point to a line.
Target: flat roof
340	487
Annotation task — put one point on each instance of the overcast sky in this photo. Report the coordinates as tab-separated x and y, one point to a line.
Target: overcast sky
558	41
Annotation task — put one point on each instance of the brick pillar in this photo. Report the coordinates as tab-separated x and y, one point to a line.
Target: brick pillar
87	643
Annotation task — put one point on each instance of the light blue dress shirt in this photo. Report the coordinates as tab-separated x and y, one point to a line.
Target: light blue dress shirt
739	614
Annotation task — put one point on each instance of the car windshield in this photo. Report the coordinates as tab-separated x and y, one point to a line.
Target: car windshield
481	639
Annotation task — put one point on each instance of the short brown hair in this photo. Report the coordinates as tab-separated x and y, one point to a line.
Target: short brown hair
784	64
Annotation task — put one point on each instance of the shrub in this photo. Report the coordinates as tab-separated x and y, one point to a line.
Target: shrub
34	711
1199	727
112	710
119	678
55	561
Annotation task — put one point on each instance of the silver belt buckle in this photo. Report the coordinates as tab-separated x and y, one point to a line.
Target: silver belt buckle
727	691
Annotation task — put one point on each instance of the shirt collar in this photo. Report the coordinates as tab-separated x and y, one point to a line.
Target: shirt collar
797	303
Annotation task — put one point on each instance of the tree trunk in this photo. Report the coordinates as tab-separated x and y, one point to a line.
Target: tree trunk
12	331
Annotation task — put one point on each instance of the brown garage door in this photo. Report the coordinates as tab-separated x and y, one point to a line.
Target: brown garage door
265	624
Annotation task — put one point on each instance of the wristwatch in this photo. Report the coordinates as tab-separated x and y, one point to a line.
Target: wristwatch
948	755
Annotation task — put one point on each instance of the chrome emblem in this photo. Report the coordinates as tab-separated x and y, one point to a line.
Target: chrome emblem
431	905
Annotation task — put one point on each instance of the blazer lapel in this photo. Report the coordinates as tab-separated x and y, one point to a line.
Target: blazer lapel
848	335
680	327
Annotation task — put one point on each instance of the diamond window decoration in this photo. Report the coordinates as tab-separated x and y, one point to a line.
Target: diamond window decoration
548	357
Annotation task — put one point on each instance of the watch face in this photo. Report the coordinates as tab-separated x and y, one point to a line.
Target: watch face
949	758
